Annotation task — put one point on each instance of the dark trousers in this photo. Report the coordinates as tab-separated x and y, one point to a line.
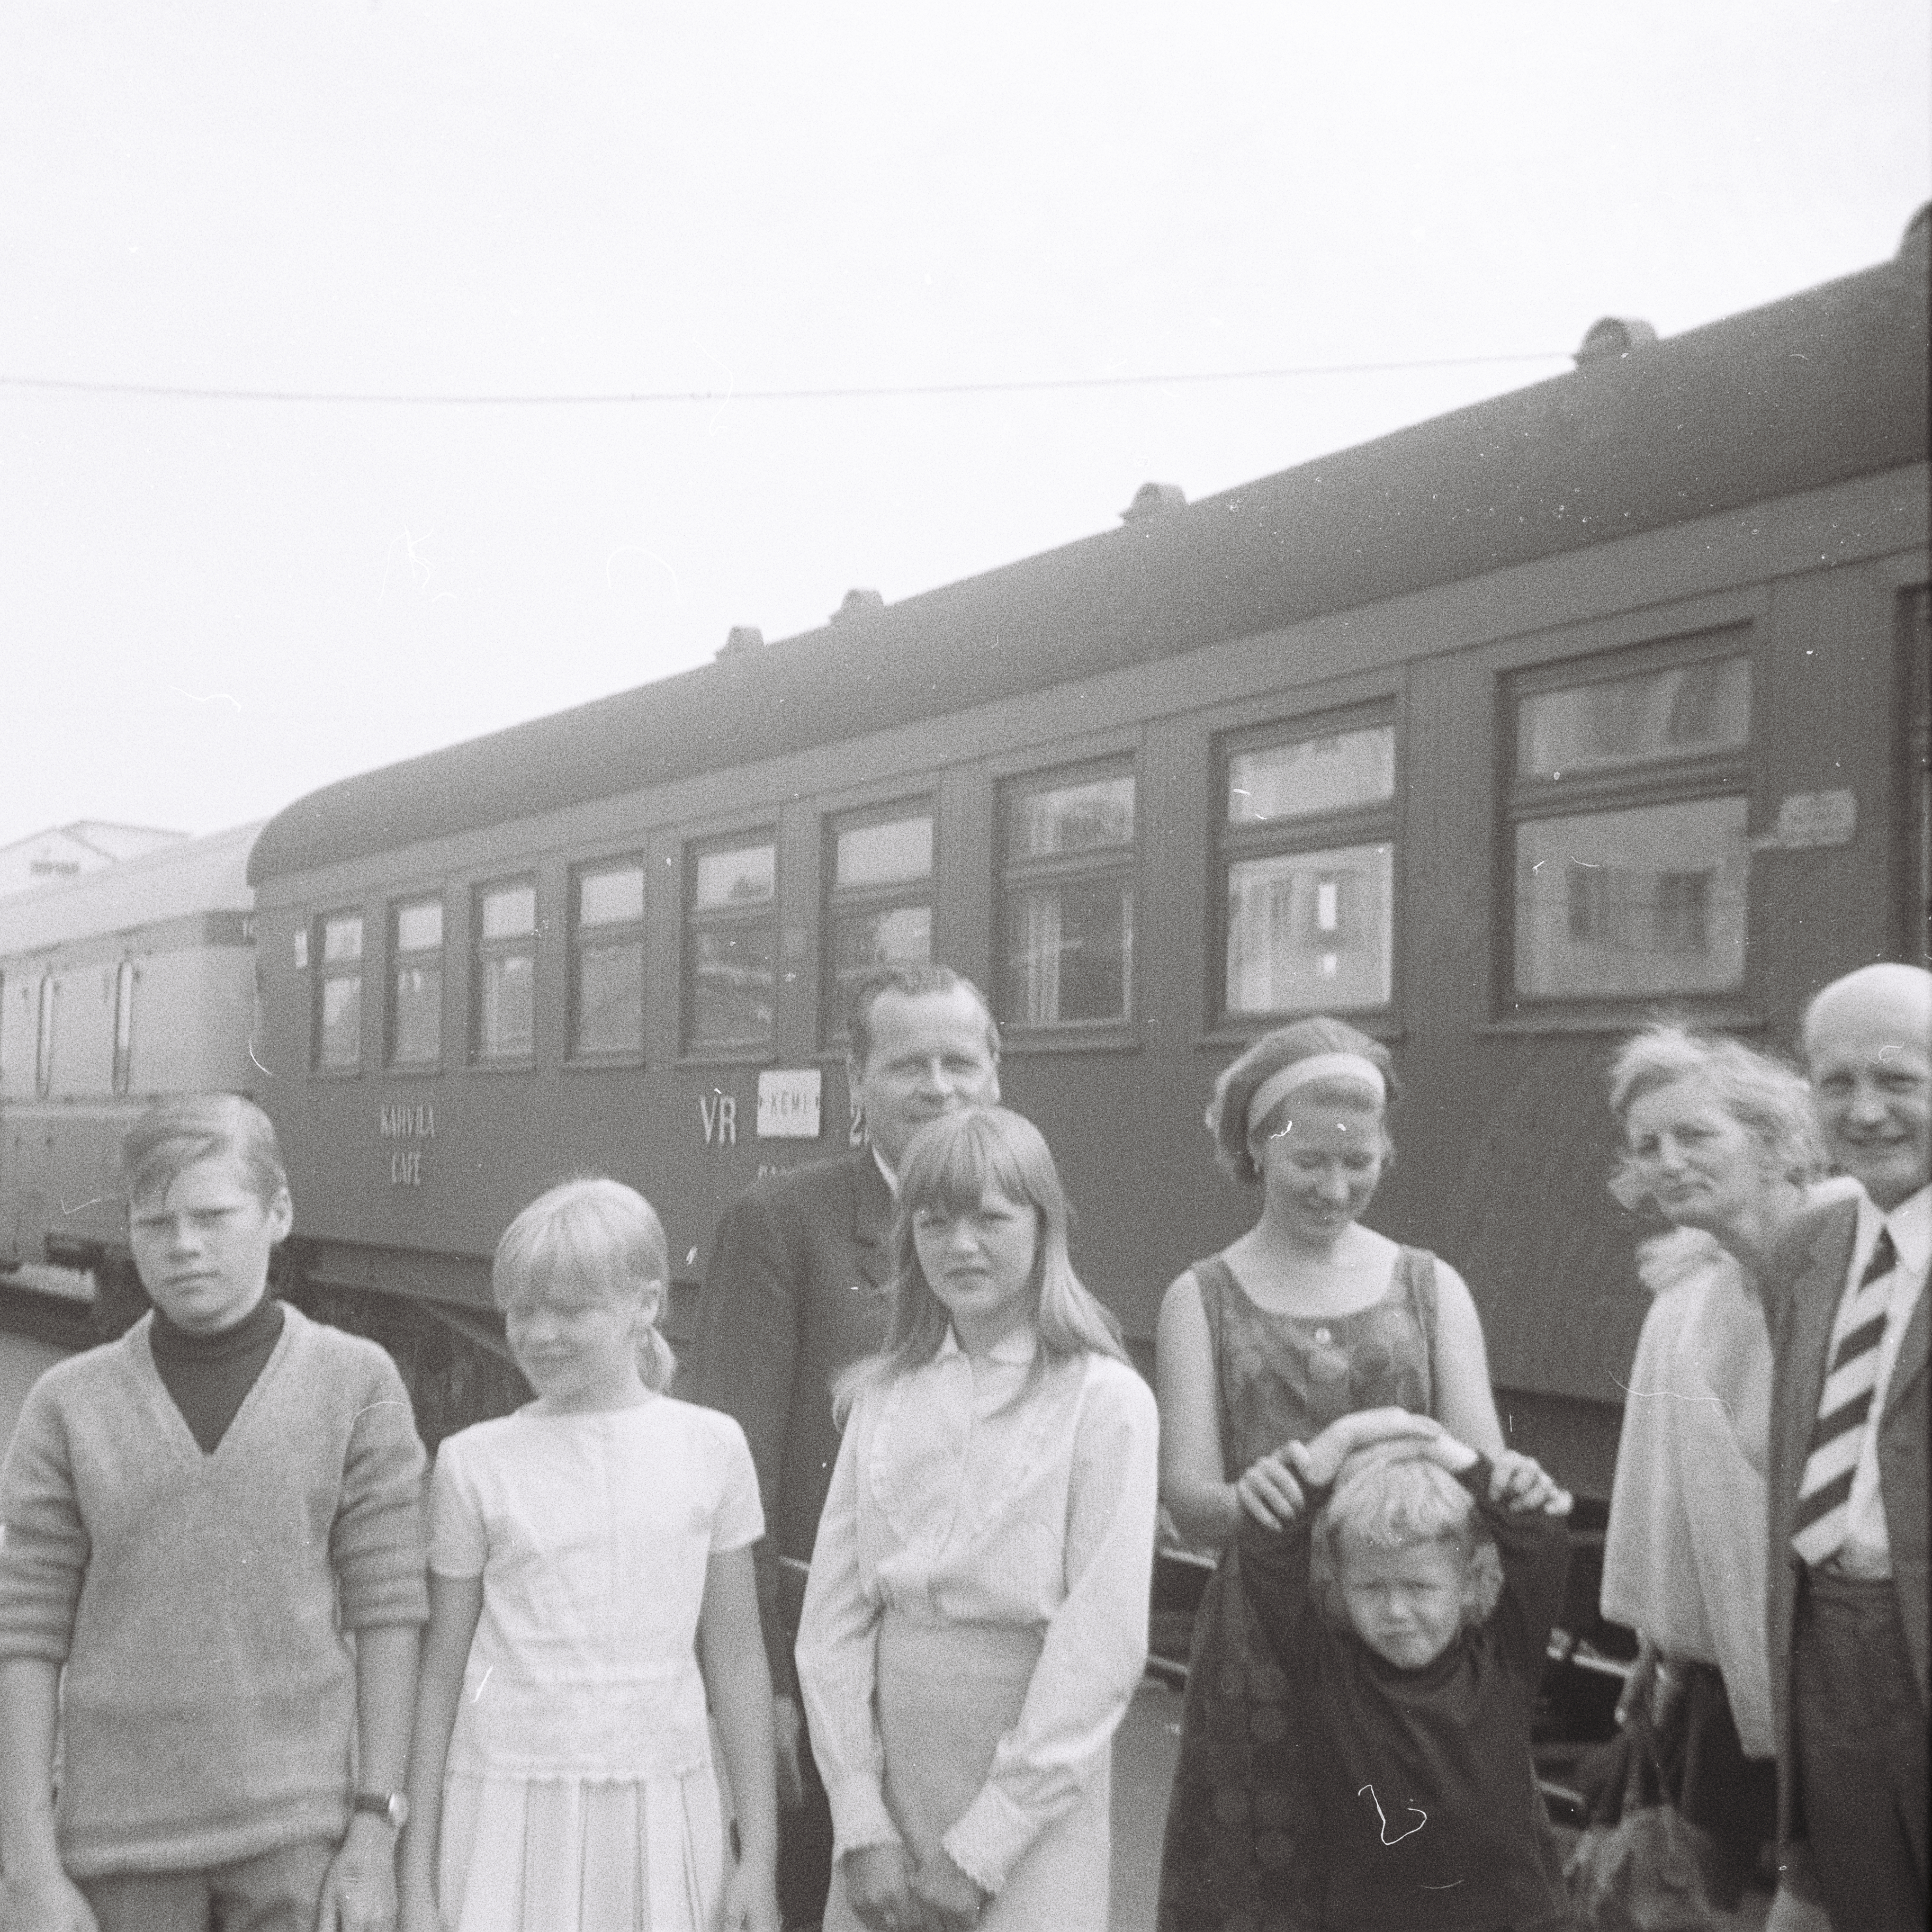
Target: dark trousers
277	1891
805	1847
805	1830
1859	1738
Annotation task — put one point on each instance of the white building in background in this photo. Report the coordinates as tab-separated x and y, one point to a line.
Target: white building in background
67	851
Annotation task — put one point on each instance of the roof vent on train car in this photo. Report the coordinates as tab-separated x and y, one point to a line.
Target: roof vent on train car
741	638
858	607
1154	500
1917	238
1613	336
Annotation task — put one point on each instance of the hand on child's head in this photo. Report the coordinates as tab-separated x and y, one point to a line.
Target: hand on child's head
1341	1439
1404	1448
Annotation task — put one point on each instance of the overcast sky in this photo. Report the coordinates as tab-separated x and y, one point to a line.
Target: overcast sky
209	607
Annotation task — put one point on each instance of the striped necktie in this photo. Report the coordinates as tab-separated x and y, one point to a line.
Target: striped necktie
1824	1495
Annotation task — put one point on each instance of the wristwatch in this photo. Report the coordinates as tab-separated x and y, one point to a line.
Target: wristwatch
391	1807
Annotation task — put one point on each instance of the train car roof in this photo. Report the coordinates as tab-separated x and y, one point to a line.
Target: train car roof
195	875
1819	387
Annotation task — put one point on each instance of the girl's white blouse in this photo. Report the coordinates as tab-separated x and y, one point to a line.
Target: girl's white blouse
593	1535
1001	1491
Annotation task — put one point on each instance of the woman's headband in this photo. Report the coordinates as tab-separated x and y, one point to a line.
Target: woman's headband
1351	1066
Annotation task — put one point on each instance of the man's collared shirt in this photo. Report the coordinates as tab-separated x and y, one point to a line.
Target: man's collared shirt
1866	1551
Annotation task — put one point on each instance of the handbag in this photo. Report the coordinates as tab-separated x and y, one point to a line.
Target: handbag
1640	1865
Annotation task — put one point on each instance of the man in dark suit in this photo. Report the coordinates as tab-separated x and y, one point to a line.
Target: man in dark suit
795	1291
1848	1614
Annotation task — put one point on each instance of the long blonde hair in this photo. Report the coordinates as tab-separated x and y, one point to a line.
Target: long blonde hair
599	1234
952	1163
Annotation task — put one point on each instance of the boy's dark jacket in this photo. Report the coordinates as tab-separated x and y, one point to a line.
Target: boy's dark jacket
1422	1780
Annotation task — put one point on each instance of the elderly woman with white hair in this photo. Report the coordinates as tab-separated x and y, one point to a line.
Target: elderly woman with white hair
1720	1142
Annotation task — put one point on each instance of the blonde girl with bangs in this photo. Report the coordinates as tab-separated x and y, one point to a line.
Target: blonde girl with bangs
590	1592
976	1620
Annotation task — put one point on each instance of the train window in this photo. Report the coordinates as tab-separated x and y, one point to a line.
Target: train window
338	1004
606	965
1631	848
124	1025
1308	853
879	902
415	983
43	1036
730	933
1067	902
1634	721
504	1022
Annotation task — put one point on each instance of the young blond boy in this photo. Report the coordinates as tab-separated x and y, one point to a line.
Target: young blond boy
1418	1656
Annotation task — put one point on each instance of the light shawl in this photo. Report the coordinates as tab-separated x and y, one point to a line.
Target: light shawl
1684	1555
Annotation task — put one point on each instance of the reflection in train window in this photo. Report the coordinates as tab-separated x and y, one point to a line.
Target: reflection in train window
338	995
730	944
415	983
879	902
1067	901
124	1025
607	960
1308	853
1631	846
503	1017
1702	706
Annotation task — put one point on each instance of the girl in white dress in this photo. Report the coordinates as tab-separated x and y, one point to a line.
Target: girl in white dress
976	1621
590	1582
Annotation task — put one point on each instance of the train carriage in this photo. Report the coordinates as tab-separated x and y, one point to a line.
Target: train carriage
117	989
1493	735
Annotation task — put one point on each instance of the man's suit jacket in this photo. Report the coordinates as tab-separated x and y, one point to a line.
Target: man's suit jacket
1803	1287
797	1287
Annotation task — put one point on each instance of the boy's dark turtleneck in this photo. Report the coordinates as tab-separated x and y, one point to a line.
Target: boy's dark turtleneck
209	1376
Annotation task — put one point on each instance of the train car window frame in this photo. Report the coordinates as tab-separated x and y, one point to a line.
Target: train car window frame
1018	875
843	903
336	964
1345	831
613	935
121	1074
46	1010
1914	623
748	918
490	952
1632	796
426	961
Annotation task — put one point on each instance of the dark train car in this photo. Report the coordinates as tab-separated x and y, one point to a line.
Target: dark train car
1494	735
116	989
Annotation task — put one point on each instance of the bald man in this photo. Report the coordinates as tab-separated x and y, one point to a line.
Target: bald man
1848	1623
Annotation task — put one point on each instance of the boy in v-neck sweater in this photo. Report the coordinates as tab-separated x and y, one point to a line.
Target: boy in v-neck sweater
193	1520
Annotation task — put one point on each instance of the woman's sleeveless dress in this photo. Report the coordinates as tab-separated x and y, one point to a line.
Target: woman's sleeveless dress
1235	1858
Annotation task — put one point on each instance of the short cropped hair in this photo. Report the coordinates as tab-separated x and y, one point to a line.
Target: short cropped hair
172	1135
1227	1115
1396	1501
1769	1098
909	982
951	1162
599	1236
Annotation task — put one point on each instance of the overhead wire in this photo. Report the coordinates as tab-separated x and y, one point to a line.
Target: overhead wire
188	392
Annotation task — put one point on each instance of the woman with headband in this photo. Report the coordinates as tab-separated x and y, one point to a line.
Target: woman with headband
1308	1317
